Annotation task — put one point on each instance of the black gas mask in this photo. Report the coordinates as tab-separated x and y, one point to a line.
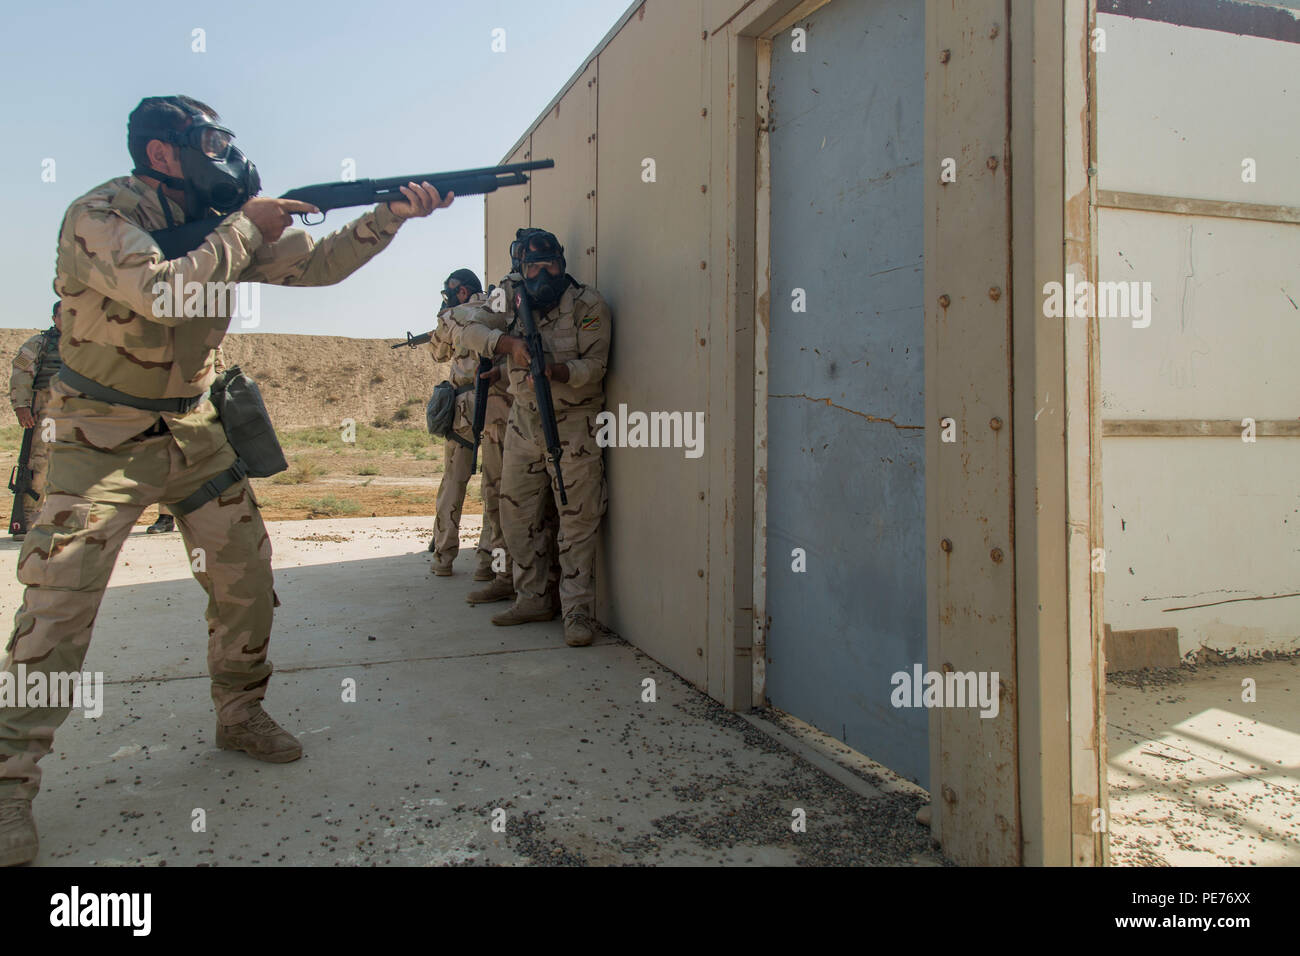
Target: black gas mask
461	278
215	175
542	265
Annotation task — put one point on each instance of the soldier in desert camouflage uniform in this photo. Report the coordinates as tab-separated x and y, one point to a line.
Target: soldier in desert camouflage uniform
462	291
35	364
574	323
159	439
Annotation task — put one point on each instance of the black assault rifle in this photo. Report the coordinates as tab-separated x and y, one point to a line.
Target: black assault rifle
481	388
182	240
20	479
20	483
537	368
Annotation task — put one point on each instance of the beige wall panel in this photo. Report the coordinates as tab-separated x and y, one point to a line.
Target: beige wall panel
967	371
653	239
564	198
1180	108
505	211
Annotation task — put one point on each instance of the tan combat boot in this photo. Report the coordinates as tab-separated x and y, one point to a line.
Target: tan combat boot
441	568
515	615
484	572
18	841
261	738
501	589
579	629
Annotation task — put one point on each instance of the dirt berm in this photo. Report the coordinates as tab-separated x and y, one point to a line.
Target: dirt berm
319	379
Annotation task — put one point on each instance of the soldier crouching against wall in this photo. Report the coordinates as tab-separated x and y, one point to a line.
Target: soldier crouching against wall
574	323
34	367
133	425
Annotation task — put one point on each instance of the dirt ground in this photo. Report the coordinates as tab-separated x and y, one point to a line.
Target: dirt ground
1204	765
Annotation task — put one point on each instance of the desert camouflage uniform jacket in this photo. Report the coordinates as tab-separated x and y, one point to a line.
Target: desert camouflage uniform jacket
24	383
112	277
464	363
576	332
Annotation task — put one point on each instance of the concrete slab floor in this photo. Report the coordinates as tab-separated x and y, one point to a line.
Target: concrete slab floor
1200	777
455	723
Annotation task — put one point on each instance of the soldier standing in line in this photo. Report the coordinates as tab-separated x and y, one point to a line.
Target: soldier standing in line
133	425
29	393
463	289
574	323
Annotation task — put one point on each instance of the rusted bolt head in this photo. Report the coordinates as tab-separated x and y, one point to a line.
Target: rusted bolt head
704	111
701	496
704	188
995	293
703	264
996	555
944	301
995	423
993	31
948	668
700	572
945	56
992	162
945	545
702	341
699	652
949	794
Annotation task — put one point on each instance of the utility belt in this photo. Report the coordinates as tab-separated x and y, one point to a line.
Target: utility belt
243	416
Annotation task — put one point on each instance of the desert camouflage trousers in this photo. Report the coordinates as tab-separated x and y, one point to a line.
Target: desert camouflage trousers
94	498
451	499
528	492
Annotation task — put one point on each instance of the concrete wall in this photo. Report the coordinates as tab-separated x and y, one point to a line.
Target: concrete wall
1202	533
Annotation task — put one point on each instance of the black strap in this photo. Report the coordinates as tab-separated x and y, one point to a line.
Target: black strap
462	389
102	393
211	488
456	438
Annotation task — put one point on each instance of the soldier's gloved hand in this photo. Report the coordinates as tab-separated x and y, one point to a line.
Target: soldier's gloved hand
556	372
420	201
272	216
493	375
25	417
516	348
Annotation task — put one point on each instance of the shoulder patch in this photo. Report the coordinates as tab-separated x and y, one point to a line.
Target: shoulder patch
591	322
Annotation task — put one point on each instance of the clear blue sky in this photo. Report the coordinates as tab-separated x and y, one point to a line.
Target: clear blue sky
304	85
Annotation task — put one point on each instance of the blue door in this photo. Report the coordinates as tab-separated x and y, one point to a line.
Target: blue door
846	449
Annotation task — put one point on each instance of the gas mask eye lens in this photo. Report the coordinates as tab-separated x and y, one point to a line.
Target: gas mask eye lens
214	142
533	269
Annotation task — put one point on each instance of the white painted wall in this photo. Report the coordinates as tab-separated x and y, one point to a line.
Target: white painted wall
1201	533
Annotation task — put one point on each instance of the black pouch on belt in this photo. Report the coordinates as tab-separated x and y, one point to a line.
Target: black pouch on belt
248	426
